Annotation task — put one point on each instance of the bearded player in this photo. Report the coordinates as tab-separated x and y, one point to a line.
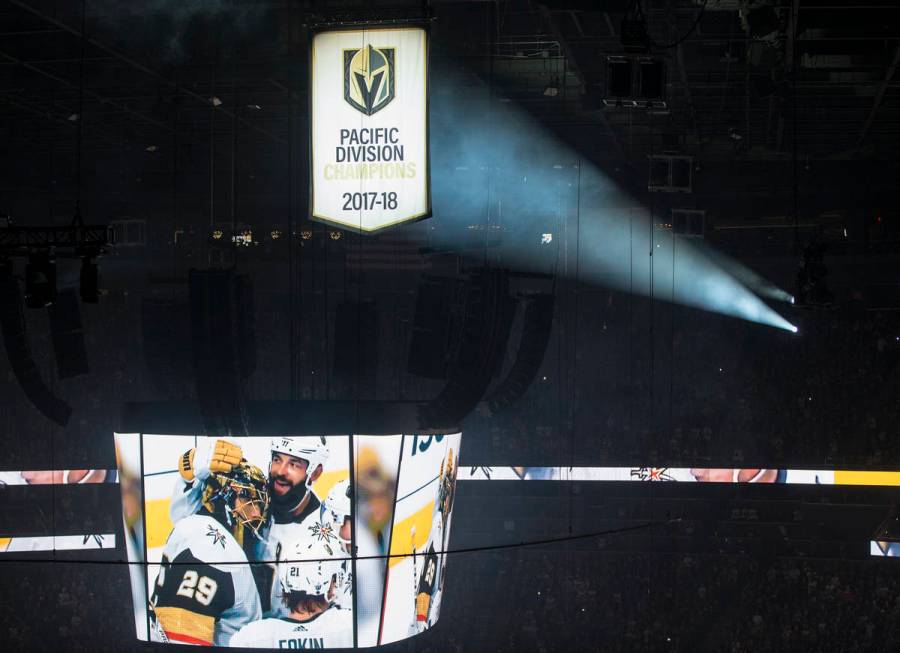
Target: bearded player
310	579
205	590
296	464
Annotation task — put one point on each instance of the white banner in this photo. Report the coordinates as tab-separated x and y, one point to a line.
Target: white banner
369	127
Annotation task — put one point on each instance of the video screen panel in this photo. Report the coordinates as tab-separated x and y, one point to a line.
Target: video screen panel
25	525
683	474
376	462
419	536
253	542
883	549
57	477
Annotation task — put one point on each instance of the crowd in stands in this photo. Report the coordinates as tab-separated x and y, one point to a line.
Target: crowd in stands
541	600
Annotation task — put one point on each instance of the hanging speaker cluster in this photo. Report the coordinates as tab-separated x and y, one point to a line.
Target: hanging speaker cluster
15	340
488	311
224	347
537	323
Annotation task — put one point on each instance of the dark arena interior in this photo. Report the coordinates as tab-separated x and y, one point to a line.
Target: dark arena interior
614	244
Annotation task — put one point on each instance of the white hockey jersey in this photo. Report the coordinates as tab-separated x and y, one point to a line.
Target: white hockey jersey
312	529
331	629
431	567
197	599
12	478
187	500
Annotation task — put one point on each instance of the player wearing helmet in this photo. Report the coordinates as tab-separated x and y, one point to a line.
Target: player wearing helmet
337	509
431	580
310	581
295	464
203	594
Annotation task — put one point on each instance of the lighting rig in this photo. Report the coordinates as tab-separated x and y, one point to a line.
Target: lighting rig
42	246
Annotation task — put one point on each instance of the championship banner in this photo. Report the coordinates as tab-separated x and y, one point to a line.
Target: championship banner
369	127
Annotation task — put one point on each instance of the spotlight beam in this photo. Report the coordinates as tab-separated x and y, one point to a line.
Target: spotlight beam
547	188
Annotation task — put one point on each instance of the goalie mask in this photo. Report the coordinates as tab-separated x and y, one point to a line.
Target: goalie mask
239	498
337	508
306	567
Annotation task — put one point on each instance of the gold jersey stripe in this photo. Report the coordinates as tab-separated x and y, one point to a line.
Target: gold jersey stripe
184	622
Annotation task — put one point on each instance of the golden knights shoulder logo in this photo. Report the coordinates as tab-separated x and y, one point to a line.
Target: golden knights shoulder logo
369	78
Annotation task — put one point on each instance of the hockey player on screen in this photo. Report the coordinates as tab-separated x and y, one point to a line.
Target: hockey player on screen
309	577
296	463
431	581
337	510
205	590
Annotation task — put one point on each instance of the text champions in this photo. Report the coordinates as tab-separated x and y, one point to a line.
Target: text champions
369	153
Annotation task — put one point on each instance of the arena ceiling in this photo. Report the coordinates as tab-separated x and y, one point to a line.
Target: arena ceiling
743	79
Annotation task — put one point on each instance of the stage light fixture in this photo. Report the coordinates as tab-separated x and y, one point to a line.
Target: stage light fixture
306	234
275	233
546	239
40	280
335	235
217	234
89	281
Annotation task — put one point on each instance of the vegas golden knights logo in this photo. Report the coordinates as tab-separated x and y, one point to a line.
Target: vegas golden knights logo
369	78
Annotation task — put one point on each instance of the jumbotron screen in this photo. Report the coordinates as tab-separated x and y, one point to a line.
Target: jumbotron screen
287	542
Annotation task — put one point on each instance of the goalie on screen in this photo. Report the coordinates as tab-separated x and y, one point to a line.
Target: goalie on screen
293	514
202	594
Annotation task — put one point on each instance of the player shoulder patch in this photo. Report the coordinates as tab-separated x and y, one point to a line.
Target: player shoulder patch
218	537
323	532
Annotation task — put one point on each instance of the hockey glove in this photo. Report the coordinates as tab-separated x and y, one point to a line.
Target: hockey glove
206	459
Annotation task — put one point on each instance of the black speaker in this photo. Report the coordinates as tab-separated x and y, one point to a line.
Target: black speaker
436	317
488	312
40	280
89	281
166	341
537	323
67	335
355	348
652	81
246	325
618	78
216	344
15	339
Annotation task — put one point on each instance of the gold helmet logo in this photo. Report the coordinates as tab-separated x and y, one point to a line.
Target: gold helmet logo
369	78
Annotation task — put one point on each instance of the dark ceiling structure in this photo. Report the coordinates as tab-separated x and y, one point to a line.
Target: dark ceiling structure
742	77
